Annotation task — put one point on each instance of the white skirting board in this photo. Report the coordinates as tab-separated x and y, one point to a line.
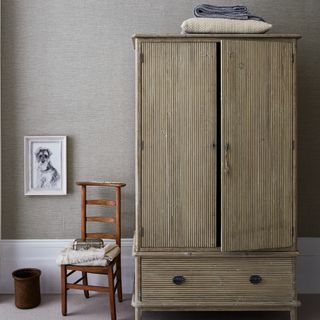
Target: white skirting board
15	254
308	265
42	254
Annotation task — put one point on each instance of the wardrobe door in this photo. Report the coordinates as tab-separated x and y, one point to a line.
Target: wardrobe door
257	142
176	163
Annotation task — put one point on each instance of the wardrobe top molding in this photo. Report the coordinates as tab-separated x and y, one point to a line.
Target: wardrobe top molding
216	36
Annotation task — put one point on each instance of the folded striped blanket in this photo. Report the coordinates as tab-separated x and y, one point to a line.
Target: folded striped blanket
92	256
226	12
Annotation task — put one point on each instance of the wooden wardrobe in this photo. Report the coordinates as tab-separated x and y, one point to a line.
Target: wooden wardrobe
216	147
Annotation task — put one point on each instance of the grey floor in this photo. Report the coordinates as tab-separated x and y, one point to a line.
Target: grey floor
95	308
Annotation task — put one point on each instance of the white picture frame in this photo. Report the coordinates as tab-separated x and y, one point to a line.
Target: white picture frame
45	165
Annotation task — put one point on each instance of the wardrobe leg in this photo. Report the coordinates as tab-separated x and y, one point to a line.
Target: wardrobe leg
112	296
137	314
85	282
63	290
294	314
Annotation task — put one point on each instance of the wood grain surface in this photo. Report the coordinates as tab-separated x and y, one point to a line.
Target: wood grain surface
217	280
177	166
257	137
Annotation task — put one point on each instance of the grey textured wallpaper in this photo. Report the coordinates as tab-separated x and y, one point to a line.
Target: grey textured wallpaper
68	69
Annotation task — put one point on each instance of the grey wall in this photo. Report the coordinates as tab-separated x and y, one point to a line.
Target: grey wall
68	69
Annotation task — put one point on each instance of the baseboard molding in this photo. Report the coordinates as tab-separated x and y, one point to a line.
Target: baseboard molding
308	266
15	254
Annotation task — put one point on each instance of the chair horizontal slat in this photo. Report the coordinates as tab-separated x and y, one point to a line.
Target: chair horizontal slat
101	235
83	287
101	202
101	184
102	219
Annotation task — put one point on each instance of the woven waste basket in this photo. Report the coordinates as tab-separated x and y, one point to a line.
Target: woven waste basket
27	287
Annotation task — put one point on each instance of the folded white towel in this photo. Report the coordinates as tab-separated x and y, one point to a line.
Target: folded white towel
70	256
216	25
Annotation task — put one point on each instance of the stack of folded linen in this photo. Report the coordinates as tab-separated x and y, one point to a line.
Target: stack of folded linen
90	257
224	19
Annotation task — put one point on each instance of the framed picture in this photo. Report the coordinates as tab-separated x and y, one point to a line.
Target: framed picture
45	165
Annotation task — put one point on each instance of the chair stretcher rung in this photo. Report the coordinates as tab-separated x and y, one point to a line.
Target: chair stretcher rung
88	287
79	280
70	273
116	274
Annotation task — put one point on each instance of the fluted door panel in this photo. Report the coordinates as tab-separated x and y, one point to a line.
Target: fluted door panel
257	141
177	169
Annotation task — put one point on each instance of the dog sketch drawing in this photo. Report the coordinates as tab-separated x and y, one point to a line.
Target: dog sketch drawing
47	174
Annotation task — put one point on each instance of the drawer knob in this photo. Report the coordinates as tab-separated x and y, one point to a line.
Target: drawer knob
178	280
255	279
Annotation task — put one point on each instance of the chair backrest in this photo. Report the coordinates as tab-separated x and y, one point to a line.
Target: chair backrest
102	202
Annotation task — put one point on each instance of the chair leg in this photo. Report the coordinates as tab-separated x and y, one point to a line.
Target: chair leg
119	280
85	282
63	290
112	295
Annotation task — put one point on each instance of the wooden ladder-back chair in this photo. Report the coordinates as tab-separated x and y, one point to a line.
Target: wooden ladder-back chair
113	269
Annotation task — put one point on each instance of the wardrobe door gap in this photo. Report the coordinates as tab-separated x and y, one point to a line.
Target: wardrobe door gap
218	145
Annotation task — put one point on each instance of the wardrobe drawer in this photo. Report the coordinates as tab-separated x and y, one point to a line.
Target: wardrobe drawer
217	280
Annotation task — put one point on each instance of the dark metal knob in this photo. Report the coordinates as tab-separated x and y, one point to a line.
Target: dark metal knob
255	279
178	280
